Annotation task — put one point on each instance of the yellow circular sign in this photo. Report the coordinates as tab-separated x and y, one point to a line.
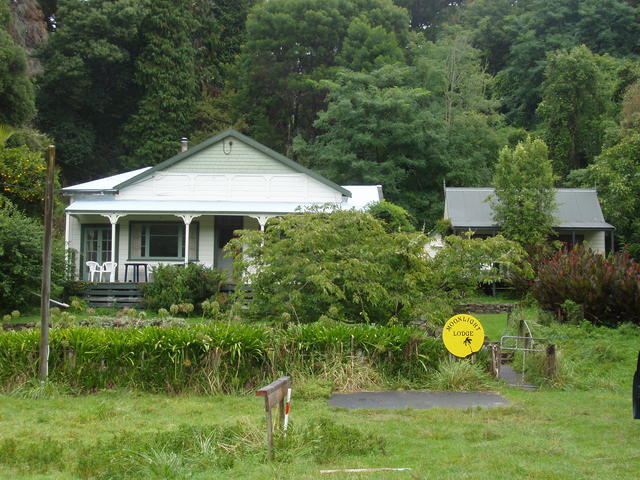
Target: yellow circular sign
463	335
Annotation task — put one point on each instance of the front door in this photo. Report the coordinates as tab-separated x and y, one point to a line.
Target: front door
224	228
96	247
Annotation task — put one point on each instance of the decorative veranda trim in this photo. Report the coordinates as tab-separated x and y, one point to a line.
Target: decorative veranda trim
187	219
113	219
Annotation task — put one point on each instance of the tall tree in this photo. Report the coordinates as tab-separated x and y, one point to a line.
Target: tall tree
516	36
17	96
165	72
616	175
524	199
492	26
378	129
453	71
291	44
409	128
217	37
573	102
431	15
87	91
366	47
100	62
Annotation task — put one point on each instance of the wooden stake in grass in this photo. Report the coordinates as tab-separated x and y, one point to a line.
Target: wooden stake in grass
46	268
274	393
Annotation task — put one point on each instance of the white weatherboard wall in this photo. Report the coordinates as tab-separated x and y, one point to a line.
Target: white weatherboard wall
595	240
244	174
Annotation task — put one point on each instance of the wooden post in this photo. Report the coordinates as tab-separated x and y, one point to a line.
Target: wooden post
521	328
494	351
46	268
550	362
274	393
527	340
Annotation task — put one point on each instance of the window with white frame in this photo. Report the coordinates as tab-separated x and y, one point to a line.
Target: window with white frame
161	240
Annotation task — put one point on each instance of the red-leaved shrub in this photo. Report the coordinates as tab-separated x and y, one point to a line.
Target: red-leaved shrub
607	288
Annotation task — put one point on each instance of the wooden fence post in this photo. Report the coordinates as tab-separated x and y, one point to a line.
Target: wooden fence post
274	393
494	351
550	362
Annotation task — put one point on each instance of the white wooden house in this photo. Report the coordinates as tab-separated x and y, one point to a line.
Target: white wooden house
193	202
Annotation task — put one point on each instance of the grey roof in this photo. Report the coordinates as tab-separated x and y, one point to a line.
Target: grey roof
578	209
106	184
362	195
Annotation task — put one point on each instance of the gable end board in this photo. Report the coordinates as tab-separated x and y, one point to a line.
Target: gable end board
242	138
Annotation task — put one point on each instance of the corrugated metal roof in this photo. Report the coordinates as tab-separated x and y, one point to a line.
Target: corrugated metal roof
104	184
362	195
578	208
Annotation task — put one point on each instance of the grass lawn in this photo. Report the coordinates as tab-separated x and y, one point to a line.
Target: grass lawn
543	435
583	431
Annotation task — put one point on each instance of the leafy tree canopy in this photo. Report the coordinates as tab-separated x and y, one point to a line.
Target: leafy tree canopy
291	44
516	37
524	200
572	107
165	73
409	128
17	95
88	90
616	175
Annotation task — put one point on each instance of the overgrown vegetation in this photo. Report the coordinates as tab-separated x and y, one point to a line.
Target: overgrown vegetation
183	451
221	357
345	266
175	285
606	288
589	357
21	260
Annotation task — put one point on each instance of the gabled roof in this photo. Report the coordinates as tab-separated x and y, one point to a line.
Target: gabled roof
243	138
577	209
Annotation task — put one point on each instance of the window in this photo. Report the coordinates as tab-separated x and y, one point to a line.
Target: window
162	240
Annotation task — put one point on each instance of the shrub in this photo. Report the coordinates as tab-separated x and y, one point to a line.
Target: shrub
394	217
345	261
175	285
21	260
74	289
344	265
606	288
459	375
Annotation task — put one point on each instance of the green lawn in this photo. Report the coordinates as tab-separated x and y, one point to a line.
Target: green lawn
584	430
543	435
494	324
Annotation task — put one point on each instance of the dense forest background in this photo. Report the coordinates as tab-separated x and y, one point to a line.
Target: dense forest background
408	93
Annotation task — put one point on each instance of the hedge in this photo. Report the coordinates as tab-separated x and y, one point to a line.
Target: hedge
215	357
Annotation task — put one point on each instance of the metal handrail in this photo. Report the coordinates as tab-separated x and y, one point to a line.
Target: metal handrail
532	339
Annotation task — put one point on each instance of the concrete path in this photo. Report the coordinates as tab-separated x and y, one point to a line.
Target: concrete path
418	400
513	378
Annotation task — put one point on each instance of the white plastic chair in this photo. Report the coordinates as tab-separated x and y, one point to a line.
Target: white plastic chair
110	268
94	267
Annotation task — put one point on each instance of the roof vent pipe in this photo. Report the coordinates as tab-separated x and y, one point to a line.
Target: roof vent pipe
184	144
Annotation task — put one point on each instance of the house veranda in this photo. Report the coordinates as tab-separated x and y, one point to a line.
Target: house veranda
186	208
